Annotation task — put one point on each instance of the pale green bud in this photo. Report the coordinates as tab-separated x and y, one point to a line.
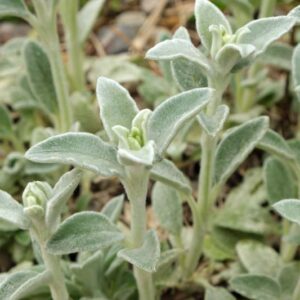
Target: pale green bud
36	194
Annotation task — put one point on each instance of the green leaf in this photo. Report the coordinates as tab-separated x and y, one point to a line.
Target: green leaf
40	76
213	293
232	54
18	285
82	150
214	124
289	209
12	212
116	106
288	278
275	144
296	70
258	258
178	48
187	74
167	208
87	17
243	211
84	231
147	256
113	208
168	257
62	191
236	146
173	113
144	156
256	287
6	126
208	14
181	33
279	181
262	32
278	55
14	8
166	172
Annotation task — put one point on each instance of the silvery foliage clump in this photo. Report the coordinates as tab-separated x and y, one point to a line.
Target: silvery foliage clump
138	140
134	150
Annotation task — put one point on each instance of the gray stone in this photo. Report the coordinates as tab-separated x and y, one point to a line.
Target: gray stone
117	38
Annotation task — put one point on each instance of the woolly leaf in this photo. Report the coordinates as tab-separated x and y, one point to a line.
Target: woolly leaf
256	287
275	144
116	106
208	14
231	54
278	55
296	70
289	209
84	231
15	8
166	172
214	124
213	293
87	17
113	208
62	191
173	113
82	150
11	211
18	285
178	48
147	256
187	74
40	76
262	32
167	208
145	156
237	145
279	181
258	258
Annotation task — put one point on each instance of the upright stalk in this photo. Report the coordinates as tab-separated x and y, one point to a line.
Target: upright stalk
204	199
52	263
247	99
288	250
47	29
136	185
69	10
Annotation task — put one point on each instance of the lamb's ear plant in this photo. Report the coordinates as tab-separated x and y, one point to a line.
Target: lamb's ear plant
40	214
138	141
222	52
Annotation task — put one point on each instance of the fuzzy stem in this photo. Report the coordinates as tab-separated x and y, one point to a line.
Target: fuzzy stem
136	186
288	250
296	293
204	203
57	284
69	14
47	29
267	8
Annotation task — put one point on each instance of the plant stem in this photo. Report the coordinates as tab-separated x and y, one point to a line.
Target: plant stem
136	186
47	30
267	8
69	14
41	234
296	293
204	203
57	285
288	250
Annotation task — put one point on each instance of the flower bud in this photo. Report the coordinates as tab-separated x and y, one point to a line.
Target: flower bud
36	194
